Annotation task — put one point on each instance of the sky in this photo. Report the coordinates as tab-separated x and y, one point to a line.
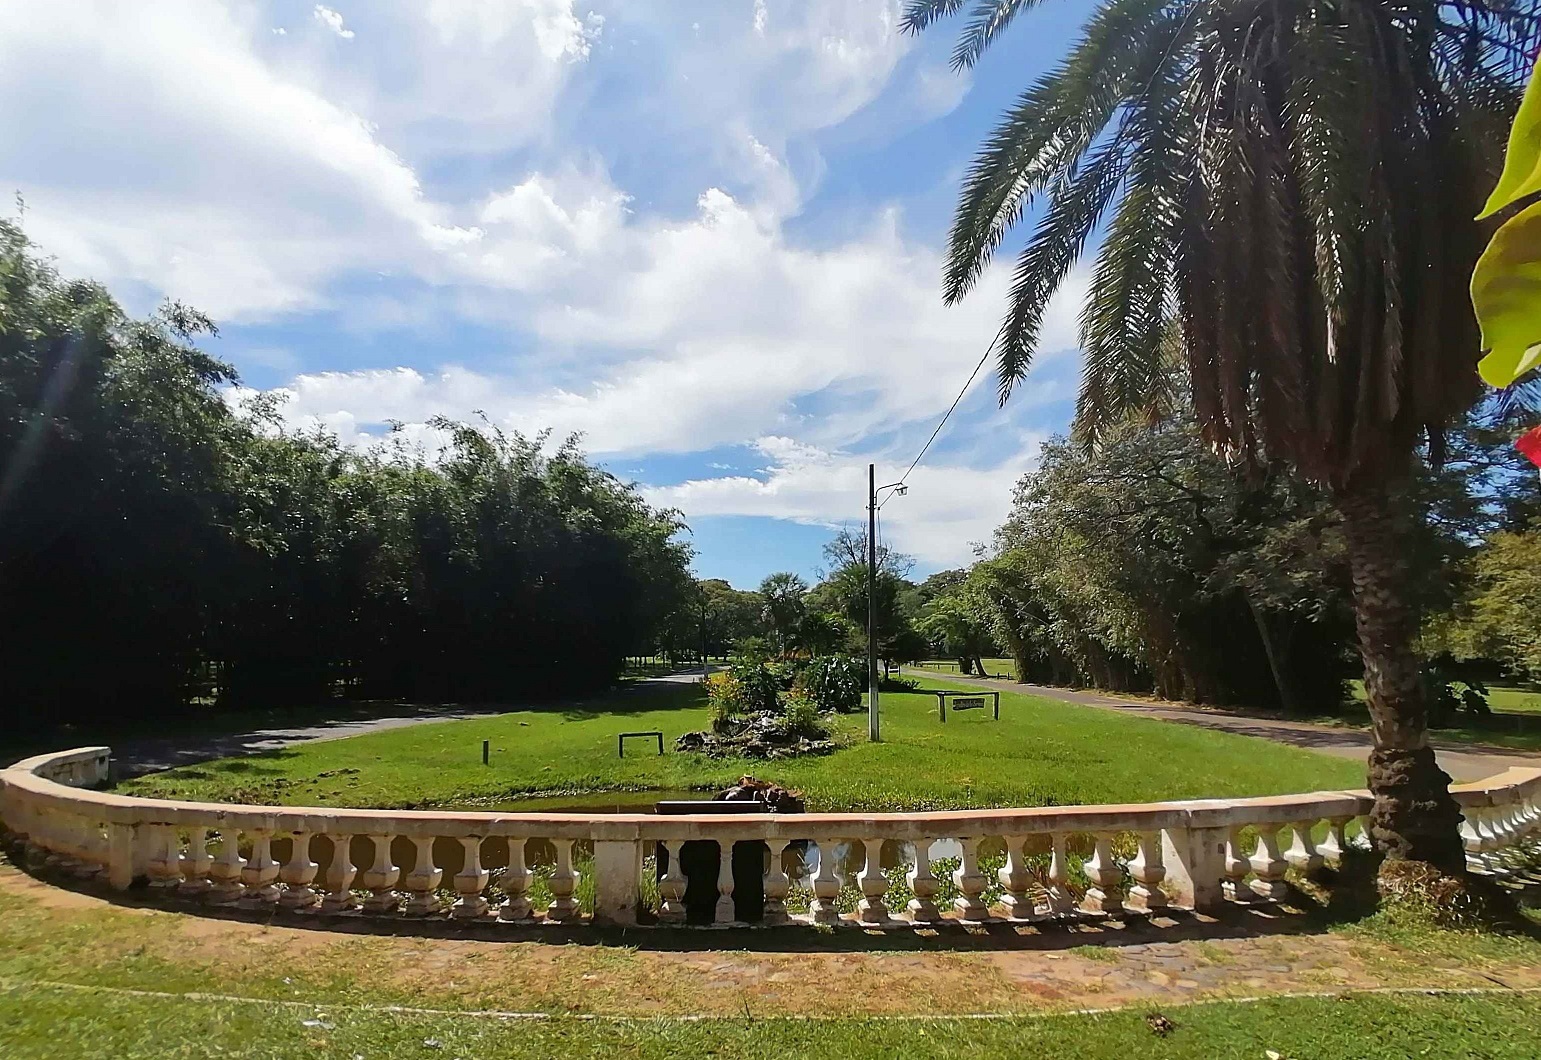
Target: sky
705	234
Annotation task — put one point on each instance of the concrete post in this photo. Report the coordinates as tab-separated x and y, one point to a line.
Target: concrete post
617	875
1195	865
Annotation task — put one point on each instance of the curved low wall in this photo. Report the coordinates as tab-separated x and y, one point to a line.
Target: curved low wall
1196	854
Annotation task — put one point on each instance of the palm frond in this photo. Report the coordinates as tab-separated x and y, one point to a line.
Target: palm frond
920	14
985	23
1074	212
1123	324
1054	123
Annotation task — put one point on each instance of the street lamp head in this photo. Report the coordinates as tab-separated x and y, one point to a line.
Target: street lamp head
902	490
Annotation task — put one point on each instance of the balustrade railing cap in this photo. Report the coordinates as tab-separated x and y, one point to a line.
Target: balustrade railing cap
1513	784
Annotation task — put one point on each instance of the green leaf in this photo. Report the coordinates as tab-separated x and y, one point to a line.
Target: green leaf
1506	293
1522	160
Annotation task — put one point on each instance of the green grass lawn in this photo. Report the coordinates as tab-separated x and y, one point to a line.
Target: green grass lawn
1041	752
1505	699
39	1023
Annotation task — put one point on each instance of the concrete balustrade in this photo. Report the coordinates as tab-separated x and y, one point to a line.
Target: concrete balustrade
1059	862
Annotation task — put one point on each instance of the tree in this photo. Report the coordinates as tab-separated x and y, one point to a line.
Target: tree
783	593
958	621
731	615
1499	620
160	549
821	633
1297	183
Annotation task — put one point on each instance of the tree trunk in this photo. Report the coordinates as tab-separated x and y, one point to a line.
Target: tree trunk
1415	818
1275	665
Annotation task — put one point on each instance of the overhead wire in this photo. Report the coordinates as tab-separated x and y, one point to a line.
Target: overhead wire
943	422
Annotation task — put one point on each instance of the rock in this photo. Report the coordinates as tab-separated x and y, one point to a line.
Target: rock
752	789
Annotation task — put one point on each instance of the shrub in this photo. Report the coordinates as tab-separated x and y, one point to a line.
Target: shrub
802	714
758	685
834	682
725	696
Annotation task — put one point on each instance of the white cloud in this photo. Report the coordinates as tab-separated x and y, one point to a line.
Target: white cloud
937	90
332	20
697	333
192	165
946	512
192	152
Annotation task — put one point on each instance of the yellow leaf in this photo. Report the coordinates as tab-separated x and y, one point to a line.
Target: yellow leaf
1506	293
1522	160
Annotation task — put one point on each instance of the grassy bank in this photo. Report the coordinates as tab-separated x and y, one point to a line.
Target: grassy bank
43	1024
1041	752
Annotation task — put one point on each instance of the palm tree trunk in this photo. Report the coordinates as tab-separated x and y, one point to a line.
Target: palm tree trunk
1415	818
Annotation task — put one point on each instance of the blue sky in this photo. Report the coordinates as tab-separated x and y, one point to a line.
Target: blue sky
706	235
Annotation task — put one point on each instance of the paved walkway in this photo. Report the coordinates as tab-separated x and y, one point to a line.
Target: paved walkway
1464	762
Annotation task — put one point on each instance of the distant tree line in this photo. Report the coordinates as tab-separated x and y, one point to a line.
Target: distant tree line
160	550
1151	564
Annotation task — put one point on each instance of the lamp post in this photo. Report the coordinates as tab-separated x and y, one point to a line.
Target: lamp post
873	680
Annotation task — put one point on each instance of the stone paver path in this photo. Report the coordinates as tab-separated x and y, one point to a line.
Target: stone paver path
1464	762
755	973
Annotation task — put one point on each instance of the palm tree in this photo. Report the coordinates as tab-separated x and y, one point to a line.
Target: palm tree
1294	182
784	594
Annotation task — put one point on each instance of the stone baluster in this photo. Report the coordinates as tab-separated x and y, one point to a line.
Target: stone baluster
298	873
776	885
726	912
924	885
380	878
422	883
1017	881
196	863
471	881
1471	840
339	875
165	864
515	882
1509	853
1488	841
1303	855
1332	847
671	889
260	874
225	872
1236	868
826	885
1104	875
872	910
1147	870
1061	900
971	884
564	881
1269	865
